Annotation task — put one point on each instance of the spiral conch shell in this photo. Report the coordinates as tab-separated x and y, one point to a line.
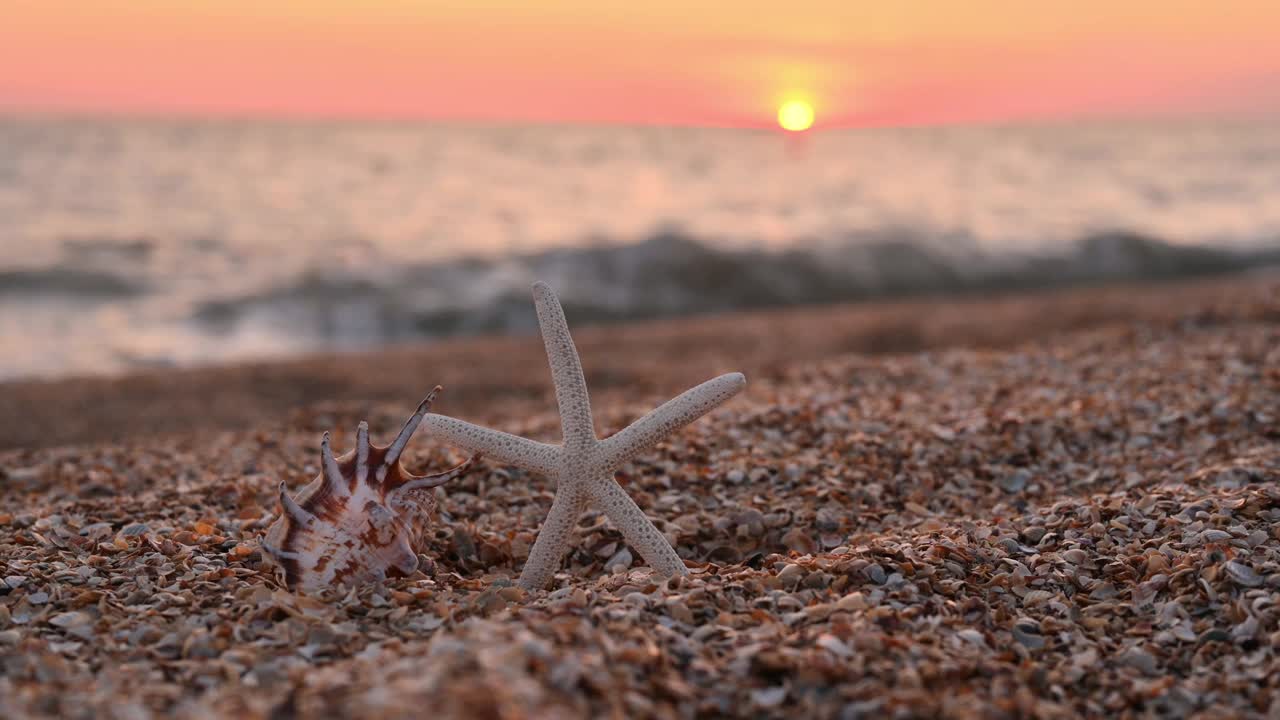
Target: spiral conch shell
354	523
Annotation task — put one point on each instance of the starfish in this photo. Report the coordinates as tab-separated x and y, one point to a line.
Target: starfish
584	466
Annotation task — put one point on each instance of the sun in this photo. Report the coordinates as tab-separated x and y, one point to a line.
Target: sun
795	115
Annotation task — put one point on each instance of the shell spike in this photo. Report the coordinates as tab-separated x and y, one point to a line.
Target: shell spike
295	511
410	426
362	451
332	473
276	553
423	482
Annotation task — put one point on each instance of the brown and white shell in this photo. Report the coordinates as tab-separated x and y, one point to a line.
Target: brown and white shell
355	523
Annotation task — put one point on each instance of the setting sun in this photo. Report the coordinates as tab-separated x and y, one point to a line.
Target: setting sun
795	115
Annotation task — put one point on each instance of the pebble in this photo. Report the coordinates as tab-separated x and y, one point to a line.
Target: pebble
69	619
816	580
853	601
833	645
1141	660
1243	574
769	698
791	575
680	612
1015	481
875	574
619	562
1029	635
1214	536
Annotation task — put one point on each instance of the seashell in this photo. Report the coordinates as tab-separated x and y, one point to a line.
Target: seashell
356	522
1243	574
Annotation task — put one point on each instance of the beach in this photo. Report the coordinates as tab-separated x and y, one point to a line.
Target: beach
1052	504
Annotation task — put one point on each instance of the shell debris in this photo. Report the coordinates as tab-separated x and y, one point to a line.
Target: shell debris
1086	526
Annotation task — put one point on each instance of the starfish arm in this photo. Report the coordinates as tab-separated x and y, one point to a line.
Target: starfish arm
553	539
530	455
566	370
638	531
667	418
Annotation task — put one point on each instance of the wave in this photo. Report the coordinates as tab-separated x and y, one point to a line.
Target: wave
68	283
671	274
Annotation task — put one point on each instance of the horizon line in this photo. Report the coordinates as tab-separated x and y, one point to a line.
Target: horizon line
840	123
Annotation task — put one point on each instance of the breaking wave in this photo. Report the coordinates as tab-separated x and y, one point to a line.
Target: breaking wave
68	283
112	315
671	274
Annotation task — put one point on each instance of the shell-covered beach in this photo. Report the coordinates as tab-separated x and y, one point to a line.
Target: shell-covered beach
1047	505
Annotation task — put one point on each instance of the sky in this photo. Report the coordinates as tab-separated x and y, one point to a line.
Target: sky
658	61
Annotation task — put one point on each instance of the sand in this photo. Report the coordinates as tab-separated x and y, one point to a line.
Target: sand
1038	506
488	377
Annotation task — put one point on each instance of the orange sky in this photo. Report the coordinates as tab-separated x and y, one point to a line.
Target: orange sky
658	61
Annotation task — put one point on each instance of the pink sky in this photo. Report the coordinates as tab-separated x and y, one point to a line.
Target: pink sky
663	61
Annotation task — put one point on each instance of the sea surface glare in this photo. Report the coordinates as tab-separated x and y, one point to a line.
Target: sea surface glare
130	243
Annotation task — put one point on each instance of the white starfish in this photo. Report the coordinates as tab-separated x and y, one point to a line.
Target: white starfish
583	466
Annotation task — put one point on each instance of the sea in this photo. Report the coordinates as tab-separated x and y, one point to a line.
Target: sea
129	244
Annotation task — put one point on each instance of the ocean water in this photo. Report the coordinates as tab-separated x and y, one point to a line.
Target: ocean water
141	243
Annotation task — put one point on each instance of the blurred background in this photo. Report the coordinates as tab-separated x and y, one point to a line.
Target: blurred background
192	182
